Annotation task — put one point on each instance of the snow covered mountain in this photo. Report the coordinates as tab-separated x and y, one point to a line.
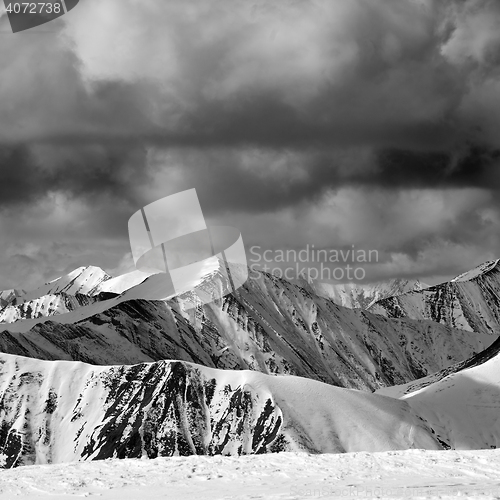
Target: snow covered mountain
81	287
67	411
219	378
460	404
357	295
83	280
46	305
471	301
476	360
269	325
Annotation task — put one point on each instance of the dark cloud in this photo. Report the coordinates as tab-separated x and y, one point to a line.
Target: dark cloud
30	172
267	109
263	180
477	167
295	75
310	79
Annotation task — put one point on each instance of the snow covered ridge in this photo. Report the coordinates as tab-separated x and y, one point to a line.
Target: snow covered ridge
482	269
471	302
476	360
60	411
462	408
83	280
46	305
270	325
81	287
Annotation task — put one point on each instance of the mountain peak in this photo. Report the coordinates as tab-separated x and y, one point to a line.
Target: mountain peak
83	280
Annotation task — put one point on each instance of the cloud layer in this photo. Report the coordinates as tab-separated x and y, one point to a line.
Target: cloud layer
281	115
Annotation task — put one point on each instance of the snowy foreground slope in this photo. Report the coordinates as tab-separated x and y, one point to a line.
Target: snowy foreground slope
471	301
278	476
269	325
68	411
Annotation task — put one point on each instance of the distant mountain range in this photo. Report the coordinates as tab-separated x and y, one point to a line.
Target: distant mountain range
357	295
470	301
222	378
269	325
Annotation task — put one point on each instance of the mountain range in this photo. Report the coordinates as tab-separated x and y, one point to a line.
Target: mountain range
358	295
470	301
275	366
269	325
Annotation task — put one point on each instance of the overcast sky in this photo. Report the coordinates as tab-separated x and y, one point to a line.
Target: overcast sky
371	123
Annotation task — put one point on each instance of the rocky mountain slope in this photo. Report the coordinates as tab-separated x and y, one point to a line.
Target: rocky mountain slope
67	411
44	306
81	287
471	301
269	325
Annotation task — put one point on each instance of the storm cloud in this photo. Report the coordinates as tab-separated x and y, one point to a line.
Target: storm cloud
271	110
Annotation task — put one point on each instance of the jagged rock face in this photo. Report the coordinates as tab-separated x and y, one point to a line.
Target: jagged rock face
355	295
58	412
470	302
270	325
47	305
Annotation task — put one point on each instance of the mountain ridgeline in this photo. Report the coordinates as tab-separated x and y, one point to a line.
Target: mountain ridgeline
268	325
268	368
60	411
470	301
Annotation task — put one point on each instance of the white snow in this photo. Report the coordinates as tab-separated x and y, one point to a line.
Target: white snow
283	476
123	282
464	408
82	280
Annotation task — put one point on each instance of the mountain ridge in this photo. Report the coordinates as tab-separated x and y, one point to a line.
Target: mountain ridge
359	295
65	411
269	325
471	301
